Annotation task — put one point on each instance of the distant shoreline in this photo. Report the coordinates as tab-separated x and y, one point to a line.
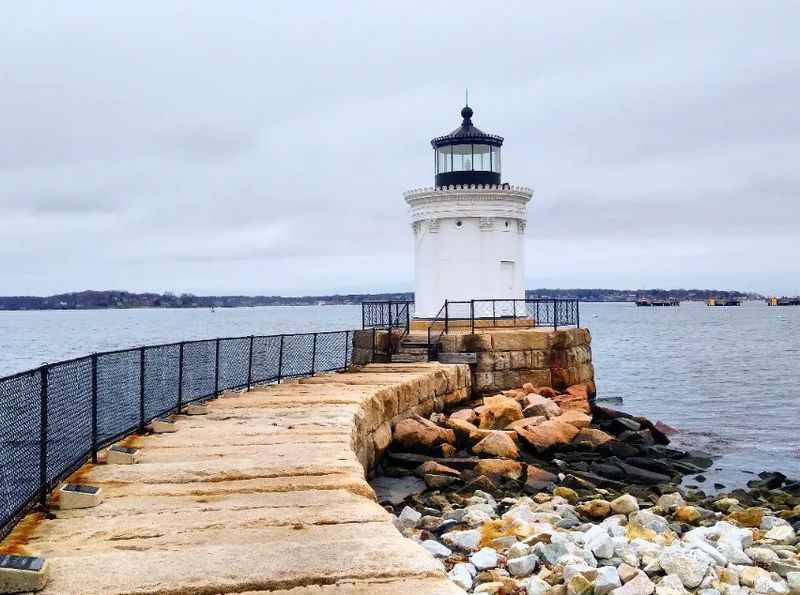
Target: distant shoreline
123	300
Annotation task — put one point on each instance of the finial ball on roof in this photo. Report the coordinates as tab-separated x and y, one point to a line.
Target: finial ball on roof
466	112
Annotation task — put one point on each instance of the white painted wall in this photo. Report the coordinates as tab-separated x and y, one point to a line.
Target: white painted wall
482	258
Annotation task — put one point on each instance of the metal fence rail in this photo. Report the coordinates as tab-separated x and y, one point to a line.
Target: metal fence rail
387	314
56	417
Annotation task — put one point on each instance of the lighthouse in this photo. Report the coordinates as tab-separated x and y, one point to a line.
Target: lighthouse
469	228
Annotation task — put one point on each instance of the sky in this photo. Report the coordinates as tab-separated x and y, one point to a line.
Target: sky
264	147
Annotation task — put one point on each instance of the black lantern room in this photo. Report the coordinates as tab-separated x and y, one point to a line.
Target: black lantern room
467	155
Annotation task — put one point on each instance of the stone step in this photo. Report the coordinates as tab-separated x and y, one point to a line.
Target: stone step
405	358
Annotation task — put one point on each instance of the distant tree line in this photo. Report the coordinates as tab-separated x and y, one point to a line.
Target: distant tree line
90	300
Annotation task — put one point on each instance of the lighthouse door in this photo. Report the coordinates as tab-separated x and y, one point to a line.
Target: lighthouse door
507	278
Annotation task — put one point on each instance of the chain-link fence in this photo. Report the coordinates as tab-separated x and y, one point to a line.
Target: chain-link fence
56	417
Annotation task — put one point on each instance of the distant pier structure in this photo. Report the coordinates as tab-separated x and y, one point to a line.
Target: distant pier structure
783	301
469	228
723	302
647	303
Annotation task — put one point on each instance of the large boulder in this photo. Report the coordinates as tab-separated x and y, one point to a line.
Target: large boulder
465	414
432	467
418	433
579	402
547	435
592	436
537	405
577	418
526	421
499	467
497	444
497	412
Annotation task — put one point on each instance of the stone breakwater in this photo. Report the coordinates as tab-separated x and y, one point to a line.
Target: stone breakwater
534	491
265	493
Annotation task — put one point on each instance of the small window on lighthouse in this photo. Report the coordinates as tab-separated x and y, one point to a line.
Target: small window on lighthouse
507	226
458	223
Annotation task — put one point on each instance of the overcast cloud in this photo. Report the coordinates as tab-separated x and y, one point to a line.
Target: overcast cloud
263	147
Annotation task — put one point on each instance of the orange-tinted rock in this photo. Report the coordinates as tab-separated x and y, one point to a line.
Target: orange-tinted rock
578	390
502	467
462	428
497	412
420	433
497	444
573	402
447	450
547	435
536	405
526	421
537	474
547	392
436	469
577	418
465	414
529	388
593	436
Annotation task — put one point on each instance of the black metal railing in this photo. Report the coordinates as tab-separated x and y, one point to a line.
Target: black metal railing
470	315
387	314
56	417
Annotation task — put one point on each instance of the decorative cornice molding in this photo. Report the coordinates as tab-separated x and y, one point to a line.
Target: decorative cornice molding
486	223
433	226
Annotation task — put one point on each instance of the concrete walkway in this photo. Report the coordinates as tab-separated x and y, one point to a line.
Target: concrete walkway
265	494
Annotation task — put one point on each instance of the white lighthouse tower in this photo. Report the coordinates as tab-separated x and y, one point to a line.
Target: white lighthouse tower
469	229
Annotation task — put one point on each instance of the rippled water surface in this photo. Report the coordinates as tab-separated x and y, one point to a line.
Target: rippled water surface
727	378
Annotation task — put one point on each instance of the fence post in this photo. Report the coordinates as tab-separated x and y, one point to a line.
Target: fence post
374	344
555	315
578	313
280	360
346	348
180	377
536	322
141	389
494	313
94	408
250	364
408	317
313	354
216	368
514	305
363	315
446	318
43	438
472	315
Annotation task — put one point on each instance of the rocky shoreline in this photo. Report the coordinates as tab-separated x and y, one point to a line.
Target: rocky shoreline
539	492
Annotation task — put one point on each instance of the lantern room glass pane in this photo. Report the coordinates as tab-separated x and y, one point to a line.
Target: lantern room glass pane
462	157
443	160
481	158
495	159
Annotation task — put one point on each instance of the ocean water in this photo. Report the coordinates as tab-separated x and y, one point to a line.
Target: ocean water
727	378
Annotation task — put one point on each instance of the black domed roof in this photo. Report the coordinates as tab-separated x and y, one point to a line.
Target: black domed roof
467	133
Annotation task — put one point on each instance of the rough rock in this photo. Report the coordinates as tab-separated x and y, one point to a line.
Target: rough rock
499	467
669	502
537	405
497	444
596	509
467	415
484	559
545	436
526	421
579	419
640	584
793	580
568	494
749	517
522	566
418	432
498	412
593	436
436	549
463	540
409	518
579	585
782	534
690	566
436	469
625	504
670	585
461	575
687	514
607	580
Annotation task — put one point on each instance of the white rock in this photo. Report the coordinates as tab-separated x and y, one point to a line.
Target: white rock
670	502
638	585
735	590
607	580
688	566
463	540
475	518
708	592
793	579
768	522
518	550
409	518
522	566
625	504
650	520
484	559
535	586
782	534
771	585
670	585
461	576
748	575
581	568
601	545
762	555
436	548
